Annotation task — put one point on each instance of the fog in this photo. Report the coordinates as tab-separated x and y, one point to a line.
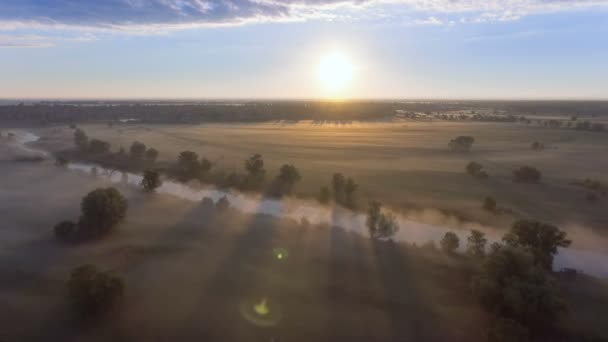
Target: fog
418	227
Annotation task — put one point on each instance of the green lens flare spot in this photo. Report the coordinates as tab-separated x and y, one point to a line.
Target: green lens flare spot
261	311
261	308
280	253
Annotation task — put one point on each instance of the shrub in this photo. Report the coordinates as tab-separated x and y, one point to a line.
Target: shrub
489	204
61	162
92	292
461	144
65	230
476	243
151	155
476	170
473	168
222	204
527	174
591	197
450	242
255	166
380	225
137	150
97	146
80	139
207	203
151	180
324	195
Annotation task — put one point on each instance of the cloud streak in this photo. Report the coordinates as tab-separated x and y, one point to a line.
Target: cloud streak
159	15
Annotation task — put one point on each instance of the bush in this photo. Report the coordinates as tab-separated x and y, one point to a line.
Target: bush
102	209
80	139
151	180
461	144
97	146
92	292
476	243
380	225
473	168
207	203
65	230
61	162
476	170
324	195
137	150
450	242
591	197
151	155
527	174
222	204
489	204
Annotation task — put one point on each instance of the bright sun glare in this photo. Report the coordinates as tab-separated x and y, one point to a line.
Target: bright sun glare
335	71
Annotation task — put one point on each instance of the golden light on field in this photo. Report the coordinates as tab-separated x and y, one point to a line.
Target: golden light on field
335	71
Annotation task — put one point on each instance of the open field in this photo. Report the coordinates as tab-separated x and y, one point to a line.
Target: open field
404	164
189	271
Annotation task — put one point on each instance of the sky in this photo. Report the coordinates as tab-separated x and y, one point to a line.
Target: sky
279	49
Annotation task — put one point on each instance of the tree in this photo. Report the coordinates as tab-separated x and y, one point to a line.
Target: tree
380	225
489	204
151	180
450	242
61	162
473	168
527	174
203	167
188	165
207	203
80	139
137	150
151	155
255	166
324	195
283	184
513	287
462	143
288	174
102	209
93	292
338	183
537	146
97	146
65	230
222	204
541	239
476	243
349	192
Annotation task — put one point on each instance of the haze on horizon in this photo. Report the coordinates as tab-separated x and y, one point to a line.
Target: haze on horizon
304	49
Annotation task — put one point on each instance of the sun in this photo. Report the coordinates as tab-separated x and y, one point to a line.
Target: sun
335	71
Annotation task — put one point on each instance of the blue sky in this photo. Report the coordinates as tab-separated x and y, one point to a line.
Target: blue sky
486	49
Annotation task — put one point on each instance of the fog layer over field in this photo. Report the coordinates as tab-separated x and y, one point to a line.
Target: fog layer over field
589	261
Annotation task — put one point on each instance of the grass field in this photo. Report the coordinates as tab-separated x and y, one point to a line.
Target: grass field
406	165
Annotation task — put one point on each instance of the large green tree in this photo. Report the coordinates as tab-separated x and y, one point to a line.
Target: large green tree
92	292
541	239
102	209
512	286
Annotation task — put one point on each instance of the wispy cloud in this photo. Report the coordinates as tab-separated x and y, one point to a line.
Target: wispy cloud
24	41
162	15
